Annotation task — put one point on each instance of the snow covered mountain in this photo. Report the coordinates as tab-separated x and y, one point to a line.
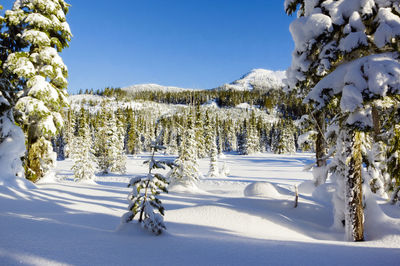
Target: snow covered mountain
261	79
152	87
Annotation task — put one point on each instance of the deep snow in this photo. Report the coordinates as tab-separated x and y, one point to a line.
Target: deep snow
62	222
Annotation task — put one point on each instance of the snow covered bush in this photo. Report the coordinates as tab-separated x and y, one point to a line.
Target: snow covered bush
143	200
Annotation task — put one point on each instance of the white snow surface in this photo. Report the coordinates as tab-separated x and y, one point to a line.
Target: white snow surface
262	79
62	222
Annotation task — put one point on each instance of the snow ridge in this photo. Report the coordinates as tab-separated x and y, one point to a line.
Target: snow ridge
152	87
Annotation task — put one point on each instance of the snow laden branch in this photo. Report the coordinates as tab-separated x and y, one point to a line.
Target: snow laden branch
143	200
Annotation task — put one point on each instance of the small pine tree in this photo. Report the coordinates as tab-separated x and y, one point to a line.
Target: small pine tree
82	154
143	199
186	171
213	170
110	145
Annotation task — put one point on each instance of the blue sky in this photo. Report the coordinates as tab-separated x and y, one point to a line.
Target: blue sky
185	43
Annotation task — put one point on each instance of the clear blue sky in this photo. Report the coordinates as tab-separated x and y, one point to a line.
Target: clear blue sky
185	43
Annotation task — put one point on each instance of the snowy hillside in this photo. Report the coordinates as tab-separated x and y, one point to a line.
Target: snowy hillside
261	79
152	87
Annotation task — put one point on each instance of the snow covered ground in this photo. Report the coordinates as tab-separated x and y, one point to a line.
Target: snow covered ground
223	221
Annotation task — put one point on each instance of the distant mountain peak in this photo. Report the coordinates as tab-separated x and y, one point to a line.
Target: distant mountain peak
261	79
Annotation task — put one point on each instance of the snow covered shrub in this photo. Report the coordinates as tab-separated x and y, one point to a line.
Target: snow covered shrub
143	200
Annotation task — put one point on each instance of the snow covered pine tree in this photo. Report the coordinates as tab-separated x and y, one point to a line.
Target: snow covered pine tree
353	46
82	154
143	199
41	31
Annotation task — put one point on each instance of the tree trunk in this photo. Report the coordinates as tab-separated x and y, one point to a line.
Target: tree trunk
376	123
354	213
320	148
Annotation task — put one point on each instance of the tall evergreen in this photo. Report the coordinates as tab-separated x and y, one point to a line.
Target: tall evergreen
41	31
343	59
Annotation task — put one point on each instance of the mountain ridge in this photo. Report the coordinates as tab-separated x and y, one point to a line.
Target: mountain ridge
256	79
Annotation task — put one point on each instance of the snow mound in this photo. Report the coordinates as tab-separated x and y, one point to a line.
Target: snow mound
244	106
261	189
184	188
49	178
306	187
324	192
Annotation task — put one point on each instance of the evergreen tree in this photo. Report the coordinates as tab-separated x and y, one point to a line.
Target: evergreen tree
186	171
352	45
82	154
110	145
143	199
213	170
199	134
41	31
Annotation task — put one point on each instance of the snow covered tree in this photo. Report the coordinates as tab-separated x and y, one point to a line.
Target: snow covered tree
199	133
358	83
109	143
347	52
213	170
186	171
82	154
143	199
282	138
41	31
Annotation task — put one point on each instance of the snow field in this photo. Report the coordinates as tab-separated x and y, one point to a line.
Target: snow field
216	223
